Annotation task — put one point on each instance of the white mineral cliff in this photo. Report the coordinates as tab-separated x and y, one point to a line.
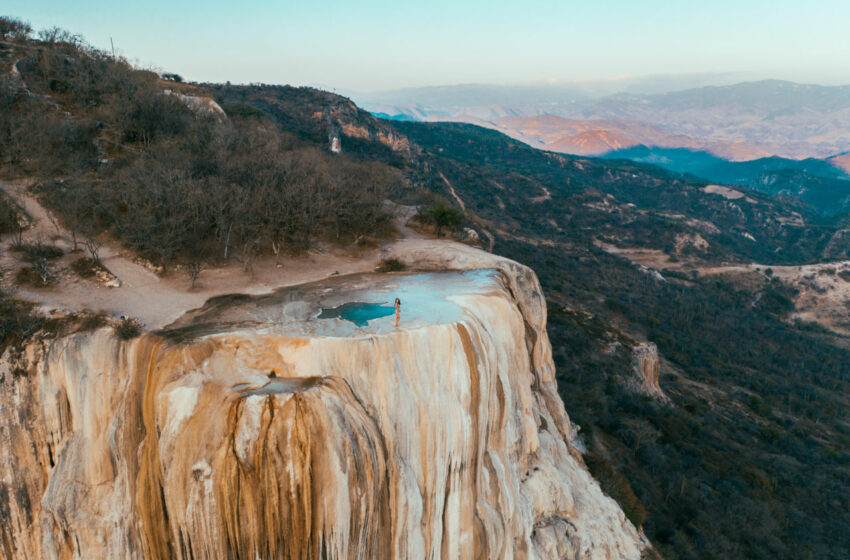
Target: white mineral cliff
254	429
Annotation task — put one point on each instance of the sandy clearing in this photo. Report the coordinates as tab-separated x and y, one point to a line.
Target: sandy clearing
726	192
159	300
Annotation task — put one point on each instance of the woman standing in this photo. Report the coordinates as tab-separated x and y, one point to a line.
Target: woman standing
397	311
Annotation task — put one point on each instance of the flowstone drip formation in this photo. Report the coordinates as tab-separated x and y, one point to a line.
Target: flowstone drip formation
265	427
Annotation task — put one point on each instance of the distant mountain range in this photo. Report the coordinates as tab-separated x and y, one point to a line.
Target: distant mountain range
598	137
739	122
771	136
841	161
824	186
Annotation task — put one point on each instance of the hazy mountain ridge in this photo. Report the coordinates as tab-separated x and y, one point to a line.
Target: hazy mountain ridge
564	135
770	117
819	182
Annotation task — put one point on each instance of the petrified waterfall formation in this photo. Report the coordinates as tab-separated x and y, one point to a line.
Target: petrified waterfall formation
254	429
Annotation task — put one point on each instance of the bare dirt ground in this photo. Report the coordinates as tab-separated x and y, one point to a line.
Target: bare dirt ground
159	300
823	290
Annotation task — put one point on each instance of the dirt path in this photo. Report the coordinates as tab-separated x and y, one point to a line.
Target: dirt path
158	301
454	194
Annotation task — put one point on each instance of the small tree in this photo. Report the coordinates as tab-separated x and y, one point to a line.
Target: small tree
15	29
193	269
41	266
93	247
444	215
55	35
128	328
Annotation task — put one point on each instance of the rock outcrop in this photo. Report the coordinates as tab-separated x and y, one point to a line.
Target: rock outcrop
254	429
388	137
646	369
199	105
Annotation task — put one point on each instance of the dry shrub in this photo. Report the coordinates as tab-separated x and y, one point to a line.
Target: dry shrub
128	328
86	267
391	265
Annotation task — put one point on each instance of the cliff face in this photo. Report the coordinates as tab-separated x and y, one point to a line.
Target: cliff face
257	430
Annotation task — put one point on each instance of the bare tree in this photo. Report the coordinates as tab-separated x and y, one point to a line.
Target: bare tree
41	266
18	240
276	251
93	247
193	269
13	28
227	240
55	35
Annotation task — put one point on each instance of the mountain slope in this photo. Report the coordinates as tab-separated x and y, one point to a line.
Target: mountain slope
736	463
816	181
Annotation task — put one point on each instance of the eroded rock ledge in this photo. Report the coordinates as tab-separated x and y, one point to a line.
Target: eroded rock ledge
252	429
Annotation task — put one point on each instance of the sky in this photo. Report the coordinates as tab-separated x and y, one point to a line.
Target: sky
372	45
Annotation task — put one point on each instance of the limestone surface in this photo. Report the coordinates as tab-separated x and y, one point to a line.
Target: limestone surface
251	428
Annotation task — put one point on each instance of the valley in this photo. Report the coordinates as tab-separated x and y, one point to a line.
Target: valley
597	357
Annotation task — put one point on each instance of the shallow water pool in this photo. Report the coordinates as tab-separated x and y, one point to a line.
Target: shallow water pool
359	313
356	305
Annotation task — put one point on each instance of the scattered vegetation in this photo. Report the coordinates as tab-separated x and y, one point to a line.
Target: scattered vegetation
193	270
749	460
10	215
37	276
128	328
92	321
20	323
86	267
171	182
17	321
617	486
14	29
443	215
768	440
33	252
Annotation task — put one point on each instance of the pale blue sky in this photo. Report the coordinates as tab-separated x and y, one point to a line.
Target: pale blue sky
380	44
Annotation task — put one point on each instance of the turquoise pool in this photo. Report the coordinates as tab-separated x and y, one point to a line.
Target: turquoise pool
359	313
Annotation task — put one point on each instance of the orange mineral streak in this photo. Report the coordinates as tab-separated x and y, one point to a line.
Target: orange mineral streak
149	499
479	542
275	504
447	440
280	496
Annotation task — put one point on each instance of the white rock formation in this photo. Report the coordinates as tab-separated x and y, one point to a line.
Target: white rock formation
200	105
254	430
646	369
336	147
